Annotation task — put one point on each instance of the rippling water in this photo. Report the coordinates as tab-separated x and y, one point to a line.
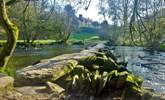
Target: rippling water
151	66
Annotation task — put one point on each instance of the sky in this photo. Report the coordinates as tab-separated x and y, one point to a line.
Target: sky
92	12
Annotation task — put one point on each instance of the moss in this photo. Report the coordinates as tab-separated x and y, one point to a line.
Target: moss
6	83
12	35
8	70
104	63
94	74
87	61
108	53
96	80
122	76
71	64
95	67
108	64
134	82
9	87
100	54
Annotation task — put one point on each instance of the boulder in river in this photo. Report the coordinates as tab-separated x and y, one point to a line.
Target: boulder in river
53	68
43	72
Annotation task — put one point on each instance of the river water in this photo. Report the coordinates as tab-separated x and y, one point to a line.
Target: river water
151	66
24	57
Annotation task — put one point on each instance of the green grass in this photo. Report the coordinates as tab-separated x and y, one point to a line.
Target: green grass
81	36
84	37
44	41
41	41
75	37
35	42
8	71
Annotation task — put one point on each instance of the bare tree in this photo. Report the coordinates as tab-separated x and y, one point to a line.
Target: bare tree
145	22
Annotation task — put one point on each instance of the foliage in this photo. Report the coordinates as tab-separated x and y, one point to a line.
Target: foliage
135	22
8	70
44	20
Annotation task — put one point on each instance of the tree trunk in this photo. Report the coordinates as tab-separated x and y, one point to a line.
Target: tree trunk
12	33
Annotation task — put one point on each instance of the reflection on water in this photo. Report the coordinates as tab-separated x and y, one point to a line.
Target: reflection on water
149	65
23	58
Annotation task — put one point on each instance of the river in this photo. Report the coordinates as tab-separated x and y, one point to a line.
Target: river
149	65
24	57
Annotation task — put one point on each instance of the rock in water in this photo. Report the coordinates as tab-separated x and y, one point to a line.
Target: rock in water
43	72
52	87
53	68
31	90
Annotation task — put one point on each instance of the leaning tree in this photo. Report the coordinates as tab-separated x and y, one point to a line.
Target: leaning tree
12	33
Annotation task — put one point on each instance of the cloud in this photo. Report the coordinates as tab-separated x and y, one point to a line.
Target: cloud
92	11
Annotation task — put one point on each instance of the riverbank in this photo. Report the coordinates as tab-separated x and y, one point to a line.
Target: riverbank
38	43
38	81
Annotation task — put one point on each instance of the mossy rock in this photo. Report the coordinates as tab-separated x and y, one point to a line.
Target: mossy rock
78	70
141	94
134	82
121	79
108	53
104	63
108	64
6	83
100	54
88	61
70	65
43	72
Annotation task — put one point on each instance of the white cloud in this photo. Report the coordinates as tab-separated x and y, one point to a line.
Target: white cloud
92	11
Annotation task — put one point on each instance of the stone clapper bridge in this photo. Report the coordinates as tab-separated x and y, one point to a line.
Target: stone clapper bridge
54	72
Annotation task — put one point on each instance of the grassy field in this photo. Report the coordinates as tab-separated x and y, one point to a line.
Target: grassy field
75	37
36	42
41	41
84	37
